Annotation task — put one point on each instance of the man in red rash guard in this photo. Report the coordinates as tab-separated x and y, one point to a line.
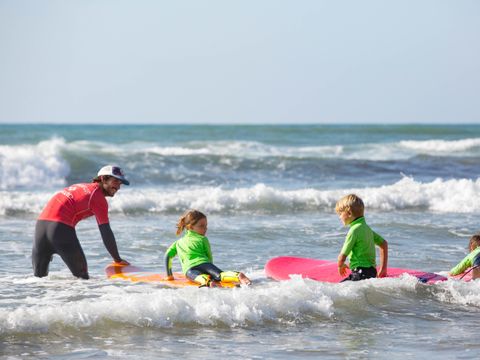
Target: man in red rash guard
55	228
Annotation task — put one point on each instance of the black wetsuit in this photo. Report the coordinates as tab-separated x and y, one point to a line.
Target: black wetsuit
57	238
361	273
206	268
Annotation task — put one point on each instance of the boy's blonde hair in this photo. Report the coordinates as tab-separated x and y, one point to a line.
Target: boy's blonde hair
350	203
189	218
474	240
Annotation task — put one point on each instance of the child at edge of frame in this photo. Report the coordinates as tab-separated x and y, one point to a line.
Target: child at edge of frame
472	260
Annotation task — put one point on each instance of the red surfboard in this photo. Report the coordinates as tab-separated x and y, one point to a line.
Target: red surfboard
281	268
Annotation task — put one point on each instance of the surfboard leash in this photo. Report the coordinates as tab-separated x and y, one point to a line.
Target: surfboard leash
476	266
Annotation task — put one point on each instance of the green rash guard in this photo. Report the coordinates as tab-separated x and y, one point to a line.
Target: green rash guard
360	244
465	263
193	249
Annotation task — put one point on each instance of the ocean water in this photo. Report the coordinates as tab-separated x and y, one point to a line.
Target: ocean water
268	191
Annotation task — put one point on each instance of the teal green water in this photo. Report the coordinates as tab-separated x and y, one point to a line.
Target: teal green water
268	191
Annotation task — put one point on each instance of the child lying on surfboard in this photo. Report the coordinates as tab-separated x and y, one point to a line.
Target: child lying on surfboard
471	260
195	255
360	242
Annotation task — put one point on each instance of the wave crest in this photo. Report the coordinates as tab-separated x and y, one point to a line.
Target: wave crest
455	196
22	165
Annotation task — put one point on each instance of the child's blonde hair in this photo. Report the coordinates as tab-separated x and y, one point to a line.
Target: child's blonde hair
350	203
474	240
189	218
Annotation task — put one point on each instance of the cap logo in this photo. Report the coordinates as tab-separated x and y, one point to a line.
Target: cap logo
117	171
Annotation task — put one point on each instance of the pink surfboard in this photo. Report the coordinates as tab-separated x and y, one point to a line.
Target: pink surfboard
280	268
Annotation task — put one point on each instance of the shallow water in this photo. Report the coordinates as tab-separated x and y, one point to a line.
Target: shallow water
267	191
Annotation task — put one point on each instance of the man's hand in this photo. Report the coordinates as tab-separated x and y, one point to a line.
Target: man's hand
121	262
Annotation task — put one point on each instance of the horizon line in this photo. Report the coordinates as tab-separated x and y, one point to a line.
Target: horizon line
242	123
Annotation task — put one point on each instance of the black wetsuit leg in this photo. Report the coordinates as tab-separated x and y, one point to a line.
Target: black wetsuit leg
55	237
361	273
206	268
42	250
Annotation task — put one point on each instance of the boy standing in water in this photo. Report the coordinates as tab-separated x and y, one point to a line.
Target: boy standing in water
471	260
360	242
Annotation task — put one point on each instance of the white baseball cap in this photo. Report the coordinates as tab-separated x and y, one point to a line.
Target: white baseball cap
115	171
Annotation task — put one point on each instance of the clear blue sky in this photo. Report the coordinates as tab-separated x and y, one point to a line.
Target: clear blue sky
263	61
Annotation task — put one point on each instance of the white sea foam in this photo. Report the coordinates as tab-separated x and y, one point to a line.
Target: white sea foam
23	202
459	292
148	306
454	196
20	165
442	146
288	303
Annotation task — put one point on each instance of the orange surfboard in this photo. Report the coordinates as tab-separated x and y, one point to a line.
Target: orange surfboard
135	274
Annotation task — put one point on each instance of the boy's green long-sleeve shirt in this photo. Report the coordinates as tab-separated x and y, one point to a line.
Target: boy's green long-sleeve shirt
193	249
360	244
466	262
